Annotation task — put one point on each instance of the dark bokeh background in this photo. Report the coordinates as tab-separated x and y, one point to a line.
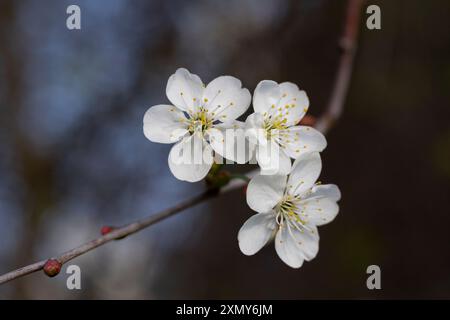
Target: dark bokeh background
73	156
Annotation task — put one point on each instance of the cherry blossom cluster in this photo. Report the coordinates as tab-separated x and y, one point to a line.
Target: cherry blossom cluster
202	122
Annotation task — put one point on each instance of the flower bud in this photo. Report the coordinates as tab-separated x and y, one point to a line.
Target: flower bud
52	267
106	229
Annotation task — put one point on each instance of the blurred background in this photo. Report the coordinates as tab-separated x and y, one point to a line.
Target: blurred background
73	156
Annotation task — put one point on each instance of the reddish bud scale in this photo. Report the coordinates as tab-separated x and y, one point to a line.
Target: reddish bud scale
52	267
106	229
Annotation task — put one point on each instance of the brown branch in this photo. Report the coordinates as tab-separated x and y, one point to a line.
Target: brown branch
115	234
348	46
324	123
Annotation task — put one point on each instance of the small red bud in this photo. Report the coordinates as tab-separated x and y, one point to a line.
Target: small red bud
106	229
52	267
244	189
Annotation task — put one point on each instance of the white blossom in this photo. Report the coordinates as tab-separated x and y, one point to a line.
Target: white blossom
290	207
274	128
197	121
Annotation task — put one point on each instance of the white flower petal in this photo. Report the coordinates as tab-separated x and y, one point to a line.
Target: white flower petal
320	211
283	100
287	250
330	191
320	206
268	157
230	142
225	99
293	246
296	100
164	124
285	163
280	164
185	90
272	159
190	159
255	232
305	171
264	192
307	241
254	126
267	93
302	139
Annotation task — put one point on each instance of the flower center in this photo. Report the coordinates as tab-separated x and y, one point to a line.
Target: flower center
199	122
287	209
277	123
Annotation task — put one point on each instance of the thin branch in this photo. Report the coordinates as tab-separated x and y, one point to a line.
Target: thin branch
348	44
324	123
115	234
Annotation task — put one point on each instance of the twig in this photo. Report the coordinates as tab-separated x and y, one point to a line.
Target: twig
347	44
113	235
324	123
